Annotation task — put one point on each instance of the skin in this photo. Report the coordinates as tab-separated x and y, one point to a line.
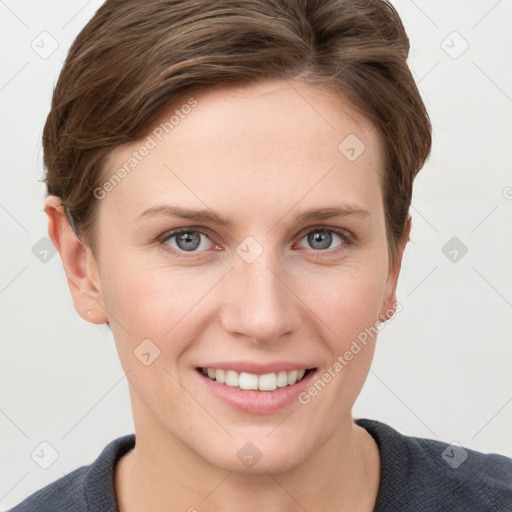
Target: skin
257	155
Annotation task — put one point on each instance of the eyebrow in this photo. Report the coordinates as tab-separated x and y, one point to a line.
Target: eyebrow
209	216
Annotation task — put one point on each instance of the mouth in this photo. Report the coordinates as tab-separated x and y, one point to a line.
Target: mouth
256	388
256	382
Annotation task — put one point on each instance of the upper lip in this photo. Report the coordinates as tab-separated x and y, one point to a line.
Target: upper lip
257	368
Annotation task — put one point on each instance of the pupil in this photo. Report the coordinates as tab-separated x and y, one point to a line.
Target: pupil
188	241
322	238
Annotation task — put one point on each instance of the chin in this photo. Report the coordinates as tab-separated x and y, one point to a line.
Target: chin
258	454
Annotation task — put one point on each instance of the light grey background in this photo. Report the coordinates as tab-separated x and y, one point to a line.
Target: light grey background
442	367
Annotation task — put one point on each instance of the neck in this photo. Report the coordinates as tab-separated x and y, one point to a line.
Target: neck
341	475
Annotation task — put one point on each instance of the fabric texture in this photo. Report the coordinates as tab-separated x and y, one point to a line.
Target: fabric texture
417	475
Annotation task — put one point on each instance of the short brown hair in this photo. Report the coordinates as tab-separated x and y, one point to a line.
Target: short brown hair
135	58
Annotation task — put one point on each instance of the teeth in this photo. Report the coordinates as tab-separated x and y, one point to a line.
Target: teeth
244	380
292	377
220	376
248	381
267	382
282	379
231	378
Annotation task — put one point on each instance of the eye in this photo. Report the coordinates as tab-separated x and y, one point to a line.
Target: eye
182	241
320	239
185	240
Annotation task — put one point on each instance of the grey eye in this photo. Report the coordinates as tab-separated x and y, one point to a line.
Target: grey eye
320	239
186	240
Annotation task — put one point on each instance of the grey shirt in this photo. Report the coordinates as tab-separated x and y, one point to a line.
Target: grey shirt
417	475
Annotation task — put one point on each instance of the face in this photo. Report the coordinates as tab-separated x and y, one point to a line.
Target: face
247	239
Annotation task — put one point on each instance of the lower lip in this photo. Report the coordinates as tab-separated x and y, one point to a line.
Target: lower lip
257	402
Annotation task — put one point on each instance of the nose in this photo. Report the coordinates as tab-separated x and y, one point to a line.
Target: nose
258	302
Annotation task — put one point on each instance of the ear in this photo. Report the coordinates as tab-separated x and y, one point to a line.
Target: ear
390	302
78	263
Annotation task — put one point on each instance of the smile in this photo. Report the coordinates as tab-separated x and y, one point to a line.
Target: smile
252	381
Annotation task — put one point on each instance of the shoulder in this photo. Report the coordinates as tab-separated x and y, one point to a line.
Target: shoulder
433	475
58	495
84	489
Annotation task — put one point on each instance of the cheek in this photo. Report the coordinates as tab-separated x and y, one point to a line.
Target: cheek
348	306
155	302
347	301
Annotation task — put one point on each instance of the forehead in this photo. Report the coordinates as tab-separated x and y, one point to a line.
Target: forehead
273	115
275	141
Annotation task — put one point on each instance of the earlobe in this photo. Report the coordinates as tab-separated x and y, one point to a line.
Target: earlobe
390	302
78	264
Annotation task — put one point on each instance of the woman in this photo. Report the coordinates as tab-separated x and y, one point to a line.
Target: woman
229	187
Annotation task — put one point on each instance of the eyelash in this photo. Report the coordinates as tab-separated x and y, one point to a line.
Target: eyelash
345	236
